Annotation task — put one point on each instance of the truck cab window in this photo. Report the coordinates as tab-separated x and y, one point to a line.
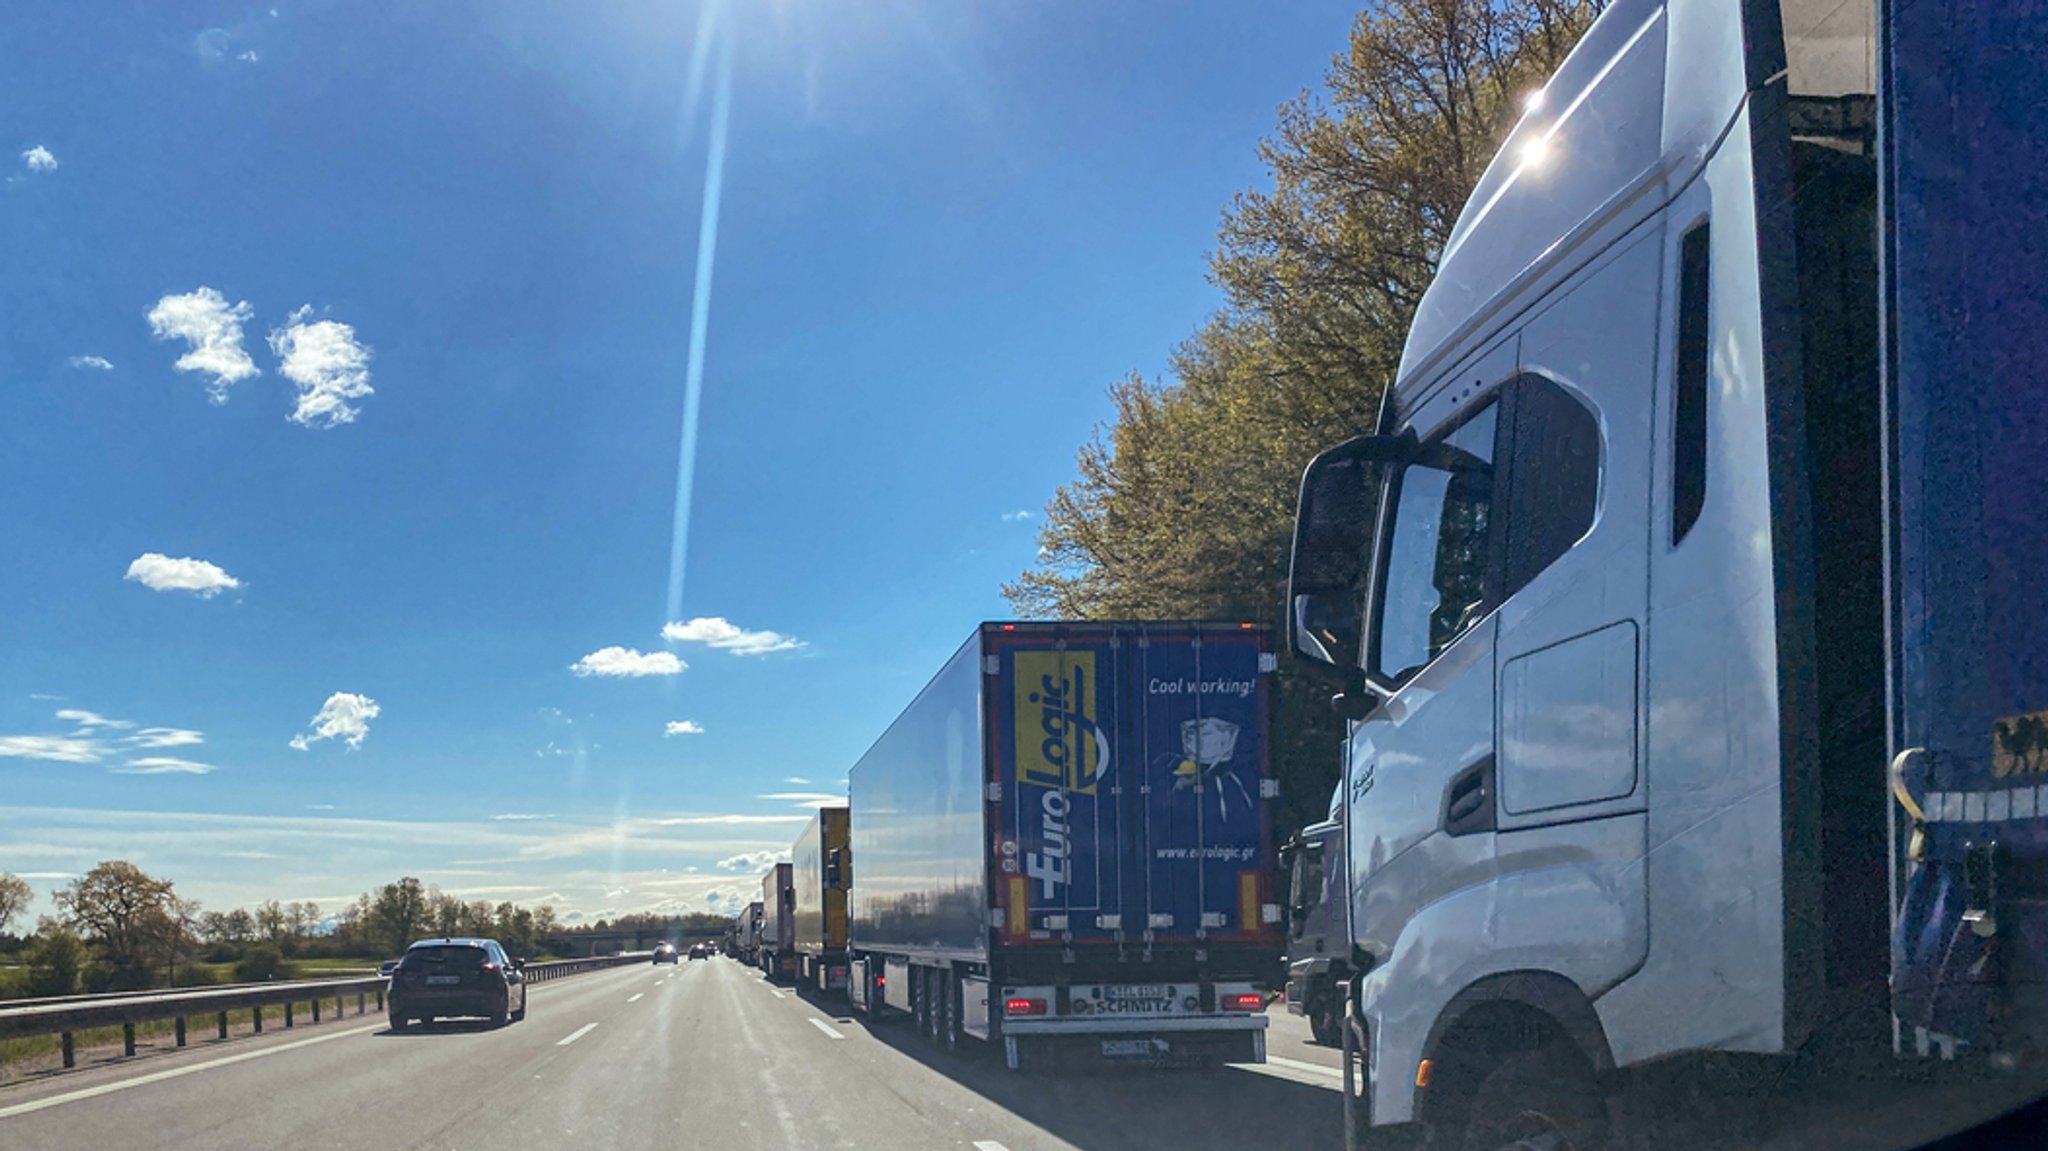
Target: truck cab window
1554	480
1439	554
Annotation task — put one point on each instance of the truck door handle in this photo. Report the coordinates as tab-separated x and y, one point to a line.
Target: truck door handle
1468	799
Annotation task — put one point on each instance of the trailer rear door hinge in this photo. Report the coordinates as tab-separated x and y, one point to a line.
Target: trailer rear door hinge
994	793
1269	661
991	665
1269	788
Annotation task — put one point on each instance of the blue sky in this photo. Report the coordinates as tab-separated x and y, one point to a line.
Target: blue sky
344	372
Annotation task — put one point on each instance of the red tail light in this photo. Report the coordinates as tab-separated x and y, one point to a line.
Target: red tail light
1023	1006
881	980
1244	1003
490	967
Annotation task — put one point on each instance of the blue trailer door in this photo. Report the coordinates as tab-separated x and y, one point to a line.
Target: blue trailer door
1200	739
1964	101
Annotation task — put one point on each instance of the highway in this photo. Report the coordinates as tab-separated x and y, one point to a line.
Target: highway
703	1054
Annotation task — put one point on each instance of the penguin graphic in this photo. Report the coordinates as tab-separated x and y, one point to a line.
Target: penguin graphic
1206	747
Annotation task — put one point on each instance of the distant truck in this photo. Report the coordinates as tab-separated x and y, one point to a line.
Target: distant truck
775	947
1318	948
747	934
1065	846
820	868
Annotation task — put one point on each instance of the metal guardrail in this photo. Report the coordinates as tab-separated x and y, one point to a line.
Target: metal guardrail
70	1014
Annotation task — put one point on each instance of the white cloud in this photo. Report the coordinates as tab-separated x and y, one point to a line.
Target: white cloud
717	632
89	720
1018	516
519	816
159	572
805	798
165	737
799	780
54	748
625	661
684	727
39	159
319	807
696	820
205	320
752	861
97	363
345	716
248	57
161	765
46	696
327	363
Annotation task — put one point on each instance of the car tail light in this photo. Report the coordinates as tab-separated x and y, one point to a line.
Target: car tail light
489	967
1243	1002
1023	1007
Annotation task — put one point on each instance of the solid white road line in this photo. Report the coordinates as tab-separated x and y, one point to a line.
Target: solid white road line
635	997
173	1073
826	1028
573	1036
777	992
1293	1074
1335	1074
988	1145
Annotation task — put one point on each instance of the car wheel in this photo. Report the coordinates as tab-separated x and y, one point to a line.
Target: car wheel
400	1023
500	1017
520	1015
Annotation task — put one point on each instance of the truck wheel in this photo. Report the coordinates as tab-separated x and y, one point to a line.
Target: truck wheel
1545	1097
1325	1019
949	1034
920	1003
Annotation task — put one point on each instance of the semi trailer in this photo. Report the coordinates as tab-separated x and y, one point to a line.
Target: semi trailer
775	943
1065	848
821	868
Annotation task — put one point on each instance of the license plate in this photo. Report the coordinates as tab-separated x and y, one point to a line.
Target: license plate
1127	1048
1137	991
444	979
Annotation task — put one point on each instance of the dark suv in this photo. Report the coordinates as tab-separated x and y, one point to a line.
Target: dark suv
439	978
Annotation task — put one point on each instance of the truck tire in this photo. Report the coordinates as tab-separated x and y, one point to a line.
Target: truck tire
1326	1018
920	1002
949	1028
1542	1097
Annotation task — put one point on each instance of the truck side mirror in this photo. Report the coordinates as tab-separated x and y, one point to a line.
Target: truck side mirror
1334	520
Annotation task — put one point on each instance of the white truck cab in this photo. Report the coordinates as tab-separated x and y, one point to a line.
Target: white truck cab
1611	580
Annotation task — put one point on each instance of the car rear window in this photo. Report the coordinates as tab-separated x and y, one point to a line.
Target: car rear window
452	957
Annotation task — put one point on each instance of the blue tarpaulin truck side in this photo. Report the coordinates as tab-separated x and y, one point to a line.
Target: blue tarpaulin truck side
1065	846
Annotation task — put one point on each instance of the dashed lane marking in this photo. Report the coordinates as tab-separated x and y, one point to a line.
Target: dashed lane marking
635	997
827	1028
573	1036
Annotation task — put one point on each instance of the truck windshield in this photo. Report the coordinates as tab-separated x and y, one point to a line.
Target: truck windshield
1437	558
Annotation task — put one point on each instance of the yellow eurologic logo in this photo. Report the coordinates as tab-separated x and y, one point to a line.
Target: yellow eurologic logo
1058	745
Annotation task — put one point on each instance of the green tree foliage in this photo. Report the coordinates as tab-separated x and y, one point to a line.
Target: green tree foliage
398	913
1183	503
14	897
259	962
133	921
56	961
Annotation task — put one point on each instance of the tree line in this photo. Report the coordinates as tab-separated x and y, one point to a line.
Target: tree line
118	928
1182	506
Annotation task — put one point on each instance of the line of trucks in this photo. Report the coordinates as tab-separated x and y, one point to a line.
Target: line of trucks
1063	848
1690	598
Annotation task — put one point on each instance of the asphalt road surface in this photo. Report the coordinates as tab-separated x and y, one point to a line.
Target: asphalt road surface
703	1054
709	1054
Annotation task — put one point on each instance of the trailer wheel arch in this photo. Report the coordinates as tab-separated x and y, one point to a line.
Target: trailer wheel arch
1496	1017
